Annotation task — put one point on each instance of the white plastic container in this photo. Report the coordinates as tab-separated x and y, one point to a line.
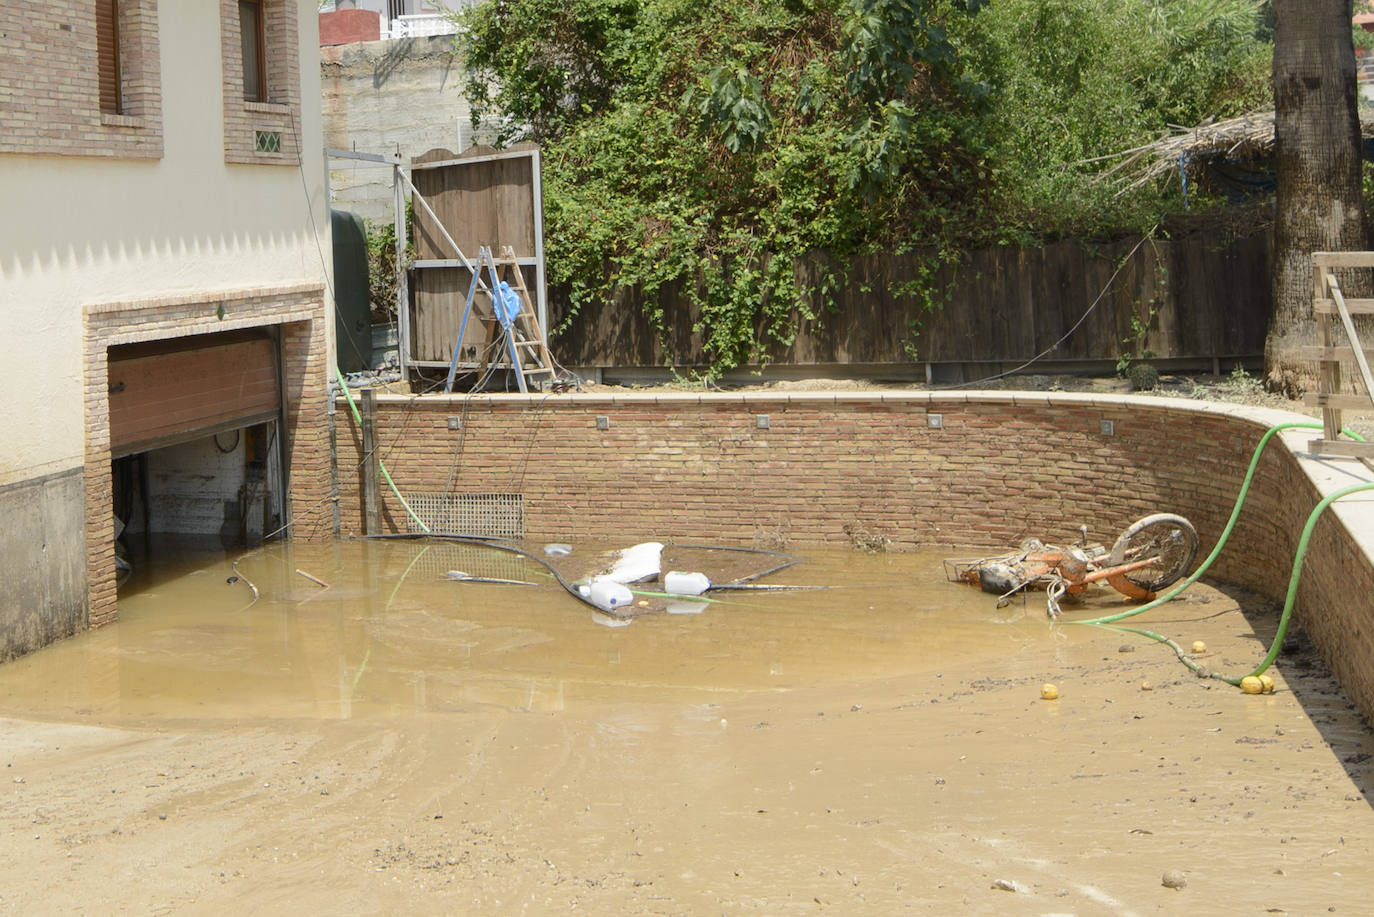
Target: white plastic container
607	594
677	583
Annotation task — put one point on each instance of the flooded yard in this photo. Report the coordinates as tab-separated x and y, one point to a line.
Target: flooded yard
368	736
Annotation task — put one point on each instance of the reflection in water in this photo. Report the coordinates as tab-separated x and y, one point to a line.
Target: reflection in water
360	628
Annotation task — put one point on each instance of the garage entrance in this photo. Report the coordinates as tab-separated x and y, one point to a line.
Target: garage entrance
195	445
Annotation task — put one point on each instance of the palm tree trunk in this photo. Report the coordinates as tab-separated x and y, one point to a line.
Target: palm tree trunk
1317	161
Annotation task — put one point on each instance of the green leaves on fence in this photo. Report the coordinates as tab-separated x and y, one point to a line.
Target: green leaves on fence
745	153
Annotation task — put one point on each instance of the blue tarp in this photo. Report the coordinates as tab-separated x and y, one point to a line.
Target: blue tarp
506	302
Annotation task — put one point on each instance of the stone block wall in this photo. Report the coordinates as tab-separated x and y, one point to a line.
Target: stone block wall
983	470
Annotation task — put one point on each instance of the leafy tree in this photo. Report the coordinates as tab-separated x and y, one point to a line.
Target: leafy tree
1077	80
714	147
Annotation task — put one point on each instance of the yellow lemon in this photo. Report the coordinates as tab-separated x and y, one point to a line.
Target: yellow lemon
1251	685
1199	646
1049	691
1267	683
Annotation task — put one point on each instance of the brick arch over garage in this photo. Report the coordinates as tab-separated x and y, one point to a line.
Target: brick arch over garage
296	315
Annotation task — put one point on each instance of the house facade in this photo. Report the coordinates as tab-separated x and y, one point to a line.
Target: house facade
164	282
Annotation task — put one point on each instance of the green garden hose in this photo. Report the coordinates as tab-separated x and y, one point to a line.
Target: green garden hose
1296	575
1108	621
1225	533
357	416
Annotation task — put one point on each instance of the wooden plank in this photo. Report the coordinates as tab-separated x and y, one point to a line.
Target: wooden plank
516	151
1341	447
1337	402
402	276
1343	259
454	262
1328	374
1338	354
1327	306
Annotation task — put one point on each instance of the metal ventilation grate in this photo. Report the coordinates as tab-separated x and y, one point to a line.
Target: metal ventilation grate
481	515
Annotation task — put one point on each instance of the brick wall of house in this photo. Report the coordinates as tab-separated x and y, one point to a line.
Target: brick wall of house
49	90
983	470
280	114
299	312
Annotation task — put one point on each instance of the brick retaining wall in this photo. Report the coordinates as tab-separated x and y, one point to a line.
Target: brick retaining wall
977	469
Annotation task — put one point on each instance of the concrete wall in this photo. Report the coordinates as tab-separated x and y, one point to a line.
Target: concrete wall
42	562
86	228
979	469
388	96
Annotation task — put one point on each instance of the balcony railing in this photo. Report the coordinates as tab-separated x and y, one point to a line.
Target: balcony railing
422	24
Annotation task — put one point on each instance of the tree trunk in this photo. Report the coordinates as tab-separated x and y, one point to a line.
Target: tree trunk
1317	161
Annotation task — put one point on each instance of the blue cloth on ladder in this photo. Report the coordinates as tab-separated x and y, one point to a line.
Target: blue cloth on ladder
507	303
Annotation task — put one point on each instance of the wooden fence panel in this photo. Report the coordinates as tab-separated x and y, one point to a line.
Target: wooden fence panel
1200	299
483	198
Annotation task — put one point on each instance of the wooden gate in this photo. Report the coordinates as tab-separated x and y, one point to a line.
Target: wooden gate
483	198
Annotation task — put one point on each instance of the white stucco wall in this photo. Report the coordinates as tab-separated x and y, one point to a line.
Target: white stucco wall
86	230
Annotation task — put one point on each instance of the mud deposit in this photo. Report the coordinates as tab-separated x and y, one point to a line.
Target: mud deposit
397	743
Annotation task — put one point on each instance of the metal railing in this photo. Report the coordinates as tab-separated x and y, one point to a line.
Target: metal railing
420	25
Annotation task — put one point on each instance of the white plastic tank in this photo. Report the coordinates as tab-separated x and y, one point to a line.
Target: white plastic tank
678	583
606	594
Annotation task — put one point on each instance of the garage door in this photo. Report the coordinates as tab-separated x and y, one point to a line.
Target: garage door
167	392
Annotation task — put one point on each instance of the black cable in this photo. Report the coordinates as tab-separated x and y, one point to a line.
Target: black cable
238	435
1067	334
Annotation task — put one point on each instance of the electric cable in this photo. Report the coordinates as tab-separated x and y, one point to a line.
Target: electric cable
1067	334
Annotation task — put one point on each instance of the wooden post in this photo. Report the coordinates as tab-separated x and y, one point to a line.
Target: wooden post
371	516
1329	373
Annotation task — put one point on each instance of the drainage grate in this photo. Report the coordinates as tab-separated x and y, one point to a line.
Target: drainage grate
482	515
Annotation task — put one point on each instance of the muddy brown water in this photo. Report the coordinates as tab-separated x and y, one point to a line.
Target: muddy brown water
397	742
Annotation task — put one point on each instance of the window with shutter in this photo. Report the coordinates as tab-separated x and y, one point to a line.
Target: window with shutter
254	41
107	51
259	41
